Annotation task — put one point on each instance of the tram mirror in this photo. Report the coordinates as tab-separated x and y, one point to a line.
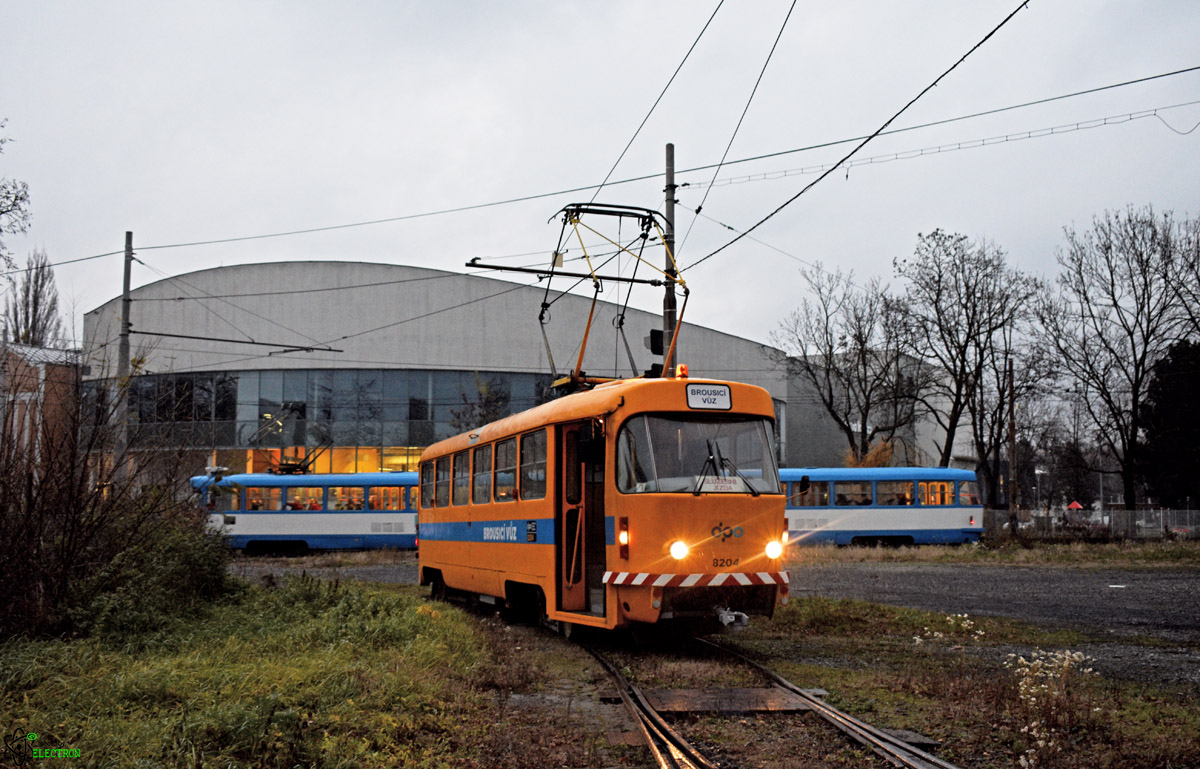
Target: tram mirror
803	485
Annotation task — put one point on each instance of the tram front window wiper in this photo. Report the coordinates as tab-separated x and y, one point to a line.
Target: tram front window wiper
728	463
719	464
710	461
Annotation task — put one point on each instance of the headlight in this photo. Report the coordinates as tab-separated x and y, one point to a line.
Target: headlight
679	550
774	550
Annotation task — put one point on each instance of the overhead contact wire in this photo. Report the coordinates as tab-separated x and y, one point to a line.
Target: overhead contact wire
738	127
656	101
865	141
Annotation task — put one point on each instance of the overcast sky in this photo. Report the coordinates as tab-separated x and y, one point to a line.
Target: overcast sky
203	121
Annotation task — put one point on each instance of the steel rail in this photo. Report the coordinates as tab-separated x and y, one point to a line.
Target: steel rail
670	750
895	750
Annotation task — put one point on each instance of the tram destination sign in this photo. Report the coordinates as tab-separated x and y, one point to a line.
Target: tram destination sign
709	396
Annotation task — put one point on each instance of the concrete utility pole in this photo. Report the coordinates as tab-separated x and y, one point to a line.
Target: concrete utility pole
121	443
1012	451
669	243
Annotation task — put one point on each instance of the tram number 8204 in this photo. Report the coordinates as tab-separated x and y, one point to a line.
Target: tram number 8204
721	563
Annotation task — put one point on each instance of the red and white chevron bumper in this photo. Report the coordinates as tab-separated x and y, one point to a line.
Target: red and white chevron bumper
635	579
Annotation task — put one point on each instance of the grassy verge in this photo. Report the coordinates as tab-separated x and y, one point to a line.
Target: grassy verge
311	675
316	674
952	678
329	560
1120	555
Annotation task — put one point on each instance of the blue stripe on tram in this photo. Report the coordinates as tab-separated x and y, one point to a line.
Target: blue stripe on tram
532	531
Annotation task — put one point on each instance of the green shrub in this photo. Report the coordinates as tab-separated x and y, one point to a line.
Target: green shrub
174	572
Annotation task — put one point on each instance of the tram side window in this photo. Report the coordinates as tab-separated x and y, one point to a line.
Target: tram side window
533	465
505	487
427	485
305	498
441	486
462	478
263	499
387	498
968	493
852	492
224	500
346	497
481	490
816	496
894	493
936	492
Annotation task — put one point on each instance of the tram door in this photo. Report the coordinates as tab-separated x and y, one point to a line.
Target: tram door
581	520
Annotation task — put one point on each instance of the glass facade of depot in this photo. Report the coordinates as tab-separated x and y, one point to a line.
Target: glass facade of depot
353	420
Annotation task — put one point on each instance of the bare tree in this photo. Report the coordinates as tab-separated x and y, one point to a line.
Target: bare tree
1116	315
1007	351
1181	267
845	342
960	297
31	314
14	206
92	539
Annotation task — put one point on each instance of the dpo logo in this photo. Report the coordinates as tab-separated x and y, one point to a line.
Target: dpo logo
724	532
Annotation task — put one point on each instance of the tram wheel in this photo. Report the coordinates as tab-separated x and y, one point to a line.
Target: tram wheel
437	589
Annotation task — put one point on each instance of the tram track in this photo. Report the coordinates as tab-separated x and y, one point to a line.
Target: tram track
672	751
893	749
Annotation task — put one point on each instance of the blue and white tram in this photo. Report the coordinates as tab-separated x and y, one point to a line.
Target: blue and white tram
882	505
262	511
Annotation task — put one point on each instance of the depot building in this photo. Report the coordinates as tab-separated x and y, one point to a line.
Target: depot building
356	367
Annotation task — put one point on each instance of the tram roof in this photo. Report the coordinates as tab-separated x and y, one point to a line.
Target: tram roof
640	395
876	474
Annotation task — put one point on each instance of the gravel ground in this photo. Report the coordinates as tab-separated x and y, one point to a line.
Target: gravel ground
1118	605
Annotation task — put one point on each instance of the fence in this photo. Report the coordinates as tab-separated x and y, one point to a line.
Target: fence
1155	524
1110	524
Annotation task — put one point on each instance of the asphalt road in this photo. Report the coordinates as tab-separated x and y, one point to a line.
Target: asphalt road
1116	605
1158	603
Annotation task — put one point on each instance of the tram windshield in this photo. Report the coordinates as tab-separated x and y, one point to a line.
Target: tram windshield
685	454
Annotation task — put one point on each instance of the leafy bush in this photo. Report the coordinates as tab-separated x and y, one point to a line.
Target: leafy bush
174	571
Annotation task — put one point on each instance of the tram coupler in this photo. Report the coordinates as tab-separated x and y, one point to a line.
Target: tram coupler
732	619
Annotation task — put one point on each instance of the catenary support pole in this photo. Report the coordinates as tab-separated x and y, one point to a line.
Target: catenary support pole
121	442
669	243
1012	452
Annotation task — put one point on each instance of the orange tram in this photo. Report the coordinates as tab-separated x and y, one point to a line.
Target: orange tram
636	501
